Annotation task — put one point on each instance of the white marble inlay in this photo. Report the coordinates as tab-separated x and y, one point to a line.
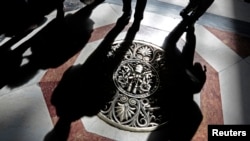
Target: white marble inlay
235	9
159	21
24	115
197	99
214	51
235	82
104	15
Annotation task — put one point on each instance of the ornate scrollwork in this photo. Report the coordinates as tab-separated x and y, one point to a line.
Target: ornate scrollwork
130	113
136	79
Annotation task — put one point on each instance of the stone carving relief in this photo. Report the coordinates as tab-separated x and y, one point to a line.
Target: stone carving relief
136	79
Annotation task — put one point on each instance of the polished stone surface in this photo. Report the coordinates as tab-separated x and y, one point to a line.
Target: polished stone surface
27	114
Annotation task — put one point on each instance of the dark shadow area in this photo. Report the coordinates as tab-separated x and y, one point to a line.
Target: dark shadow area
18	16
181	79
86	88
57	42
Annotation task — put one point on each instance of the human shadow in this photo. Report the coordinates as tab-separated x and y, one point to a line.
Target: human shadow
19	16
52	46
139	7
86	88
181	79
23	16
127	7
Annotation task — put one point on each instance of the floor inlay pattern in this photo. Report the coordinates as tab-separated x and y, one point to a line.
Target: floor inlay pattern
136	79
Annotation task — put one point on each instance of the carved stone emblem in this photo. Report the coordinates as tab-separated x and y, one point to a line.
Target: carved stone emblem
136	80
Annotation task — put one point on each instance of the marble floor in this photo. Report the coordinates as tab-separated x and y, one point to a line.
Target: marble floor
26	113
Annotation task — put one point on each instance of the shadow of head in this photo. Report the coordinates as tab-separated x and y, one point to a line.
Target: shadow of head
82	92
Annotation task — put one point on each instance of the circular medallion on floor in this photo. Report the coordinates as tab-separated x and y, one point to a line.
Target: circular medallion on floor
134	107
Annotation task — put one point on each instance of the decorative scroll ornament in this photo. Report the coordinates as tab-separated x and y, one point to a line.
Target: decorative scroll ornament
136	80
